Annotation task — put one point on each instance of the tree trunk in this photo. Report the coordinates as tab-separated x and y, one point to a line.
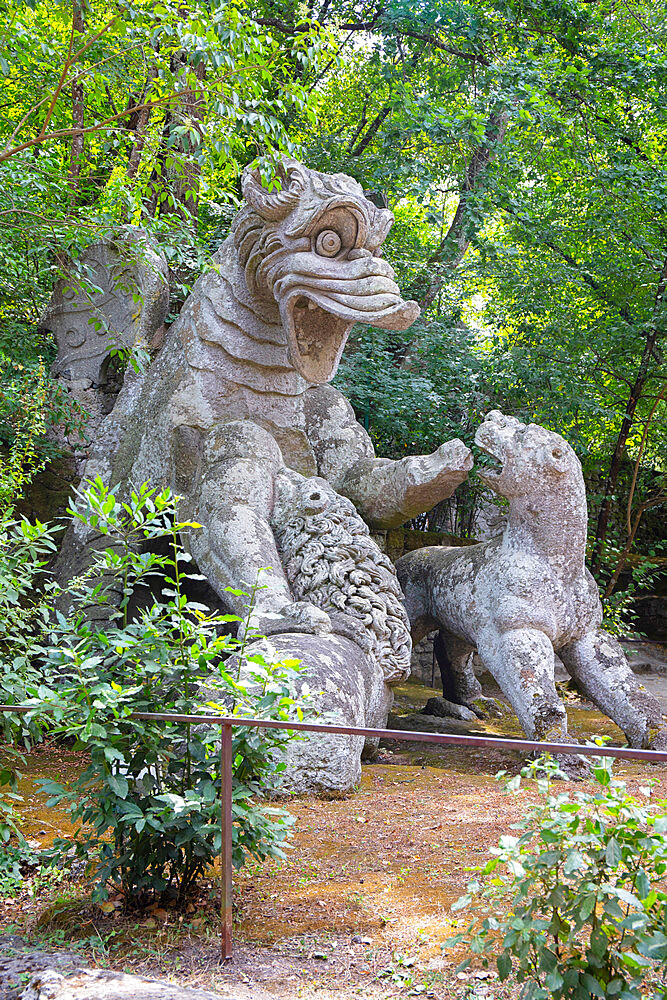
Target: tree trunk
140	129
158	175
78	106
636	390
186	186
360	143
458	237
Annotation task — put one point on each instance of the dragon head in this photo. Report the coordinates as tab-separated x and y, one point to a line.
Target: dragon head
313	247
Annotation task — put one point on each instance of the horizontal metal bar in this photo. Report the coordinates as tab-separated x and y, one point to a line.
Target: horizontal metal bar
447	739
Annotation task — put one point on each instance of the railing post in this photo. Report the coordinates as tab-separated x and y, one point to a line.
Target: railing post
226	842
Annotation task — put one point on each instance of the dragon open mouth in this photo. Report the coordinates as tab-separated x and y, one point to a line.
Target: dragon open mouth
315	338
493	465
318	313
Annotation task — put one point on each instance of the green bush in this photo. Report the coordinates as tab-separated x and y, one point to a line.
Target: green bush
25	601
581	910
149	800
30	403
10	798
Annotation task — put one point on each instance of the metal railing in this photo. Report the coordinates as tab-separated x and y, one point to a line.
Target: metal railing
227	723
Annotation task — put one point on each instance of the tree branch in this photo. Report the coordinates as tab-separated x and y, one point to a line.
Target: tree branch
382	115
642	445
400	30
65	133
628	420
458	233
71	59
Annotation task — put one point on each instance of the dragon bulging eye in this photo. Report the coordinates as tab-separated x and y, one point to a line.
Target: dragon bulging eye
328	243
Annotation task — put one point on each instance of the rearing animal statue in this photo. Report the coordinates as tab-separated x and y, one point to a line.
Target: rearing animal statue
521	597
237	399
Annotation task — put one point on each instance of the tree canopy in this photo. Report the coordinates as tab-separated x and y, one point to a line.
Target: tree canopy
520	144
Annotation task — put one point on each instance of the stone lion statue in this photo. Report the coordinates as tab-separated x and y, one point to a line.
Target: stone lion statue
527	594
238	394
331	561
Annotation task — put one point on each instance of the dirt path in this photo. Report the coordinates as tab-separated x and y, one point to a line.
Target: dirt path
360	907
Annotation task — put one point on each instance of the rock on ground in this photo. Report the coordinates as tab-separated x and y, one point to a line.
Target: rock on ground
101	984
58	976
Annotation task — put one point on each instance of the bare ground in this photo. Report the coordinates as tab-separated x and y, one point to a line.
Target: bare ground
361	907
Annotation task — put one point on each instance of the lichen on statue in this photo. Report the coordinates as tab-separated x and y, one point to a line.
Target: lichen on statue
527	594
239	393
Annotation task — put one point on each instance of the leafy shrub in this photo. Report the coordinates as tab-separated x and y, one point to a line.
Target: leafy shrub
23	396
9	798
30	402
150	797
582	909
643	575
25	597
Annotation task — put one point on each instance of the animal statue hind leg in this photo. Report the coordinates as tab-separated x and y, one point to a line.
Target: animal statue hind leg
454	658
598	665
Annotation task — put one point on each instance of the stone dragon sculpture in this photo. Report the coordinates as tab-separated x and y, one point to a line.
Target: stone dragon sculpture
527	594
237	397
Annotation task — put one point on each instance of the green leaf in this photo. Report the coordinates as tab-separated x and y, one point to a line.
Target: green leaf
574	862
118	785
654	947
593	986
504	965
553	980
613	853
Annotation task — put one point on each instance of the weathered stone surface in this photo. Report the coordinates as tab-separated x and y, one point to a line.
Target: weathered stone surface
415	722
47	496
527	595
101	984
17	962
236	398
348	691
446	709
59	976
423	666
118	298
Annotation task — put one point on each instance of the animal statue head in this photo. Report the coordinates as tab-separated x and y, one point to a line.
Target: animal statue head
529	459
313	247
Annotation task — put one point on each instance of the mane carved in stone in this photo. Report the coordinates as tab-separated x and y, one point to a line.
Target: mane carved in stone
331	561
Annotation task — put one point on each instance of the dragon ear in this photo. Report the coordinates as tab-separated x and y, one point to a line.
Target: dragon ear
275	205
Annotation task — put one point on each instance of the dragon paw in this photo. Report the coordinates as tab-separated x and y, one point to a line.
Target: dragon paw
300	616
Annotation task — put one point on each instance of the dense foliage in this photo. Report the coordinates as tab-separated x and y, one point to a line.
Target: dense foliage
575	907
520	144
150	797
